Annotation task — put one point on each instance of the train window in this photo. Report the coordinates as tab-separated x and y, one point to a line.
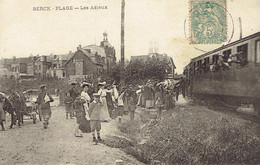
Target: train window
206	64
215	59
199	66
194	67
242	54
226	54
257	51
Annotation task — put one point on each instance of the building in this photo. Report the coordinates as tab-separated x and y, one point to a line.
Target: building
42	67
4	71
84	63
58	65
105	50
161	57
22	66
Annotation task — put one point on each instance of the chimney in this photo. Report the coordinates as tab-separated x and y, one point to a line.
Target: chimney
80	46
77	48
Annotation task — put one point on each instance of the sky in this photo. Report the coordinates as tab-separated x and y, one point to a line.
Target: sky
24	32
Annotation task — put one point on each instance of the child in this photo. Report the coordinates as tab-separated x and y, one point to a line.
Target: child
68	105
132	106
95	114
80	113
131	100
120	106
158	102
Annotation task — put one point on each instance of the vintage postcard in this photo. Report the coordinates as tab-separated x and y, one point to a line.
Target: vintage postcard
129	82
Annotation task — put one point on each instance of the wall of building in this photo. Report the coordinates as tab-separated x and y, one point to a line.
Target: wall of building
23	68
30	68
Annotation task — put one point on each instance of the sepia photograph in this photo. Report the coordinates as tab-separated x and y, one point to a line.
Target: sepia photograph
129	82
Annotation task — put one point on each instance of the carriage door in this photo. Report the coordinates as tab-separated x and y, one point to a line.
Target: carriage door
79	67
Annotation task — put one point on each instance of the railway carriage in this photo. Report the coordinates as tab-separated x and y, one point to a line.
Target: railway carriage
230	73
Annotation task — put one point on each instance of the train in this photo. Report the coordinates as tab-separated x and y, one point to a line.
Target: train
230	74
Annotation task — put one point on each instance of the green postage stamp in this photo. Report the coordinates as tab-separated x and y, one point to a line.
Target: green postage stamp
208	21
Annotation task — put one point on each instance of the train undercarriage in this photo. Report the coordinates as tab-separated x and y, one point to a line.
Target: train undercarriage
246	105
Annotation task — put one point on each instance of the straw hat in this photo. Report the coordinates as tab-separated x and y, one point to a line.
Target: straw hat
43	85
73	83
102	83
85	84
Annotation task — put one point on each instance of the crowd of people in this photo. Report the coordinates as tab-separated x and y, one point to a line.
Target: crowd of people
110	101
102	102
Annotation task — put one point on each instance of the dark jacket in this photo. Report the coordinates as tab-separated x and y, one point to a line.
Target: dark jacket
78	103
74	93
68	102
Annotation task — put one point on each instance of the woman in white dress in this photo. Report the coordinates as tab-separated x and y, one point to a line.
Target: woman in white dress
104	109
85	95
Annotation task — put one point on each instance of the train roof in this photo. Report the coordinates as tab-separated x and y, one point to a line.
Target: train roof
228	45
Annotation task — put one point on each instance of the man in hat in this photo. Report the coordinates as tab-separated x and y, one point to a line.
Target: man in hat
94	112
43	100
74	94
73	91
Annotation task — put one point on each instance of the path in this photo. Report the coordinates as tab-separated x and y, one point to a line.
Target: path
32	144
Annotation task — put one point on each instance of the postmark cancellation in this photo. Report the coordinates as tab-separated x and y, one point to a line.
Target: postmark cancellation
208	21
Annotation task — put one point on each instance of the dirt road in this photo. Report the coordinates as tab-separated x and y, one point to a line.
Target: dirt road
32	144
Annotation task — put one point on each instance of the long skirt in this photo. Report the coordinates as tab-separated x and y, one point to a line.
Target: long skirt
86	110
104	116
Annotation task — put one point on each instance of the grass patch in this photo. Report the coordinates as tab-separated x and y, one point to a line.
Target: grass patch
193	135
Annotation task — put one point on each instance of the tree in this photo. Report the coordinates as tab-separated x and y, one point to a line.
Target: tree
138	72
117	72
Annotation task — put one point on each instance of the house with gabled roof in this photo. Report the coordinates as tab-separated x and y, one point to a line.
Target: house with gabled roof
84	63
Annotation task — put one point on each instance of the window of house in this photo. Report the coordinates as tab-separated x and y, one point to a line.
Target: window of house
63	74
242	53
226	54
54	65
257	51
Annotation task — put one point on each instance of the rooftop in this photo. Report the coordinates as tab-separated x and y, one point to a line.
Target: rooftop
95	49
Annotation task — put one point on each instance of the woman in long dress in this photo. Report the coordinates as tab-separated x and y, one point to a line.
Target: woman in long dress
86	97
104	109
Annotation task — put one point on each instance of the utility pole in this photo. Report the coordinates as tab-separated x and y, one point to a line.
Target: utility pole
240	26
123	33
